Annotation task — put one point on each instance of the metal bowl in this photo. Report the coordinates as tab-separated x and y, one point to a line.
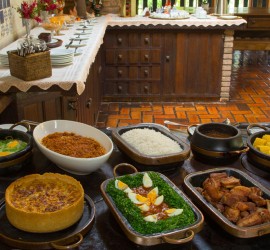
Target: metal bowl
146	162
194	180
176	236
13	162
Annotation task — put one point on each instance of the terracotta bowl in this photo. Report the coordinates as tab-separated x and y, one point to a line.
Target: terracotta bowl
256	157
217	143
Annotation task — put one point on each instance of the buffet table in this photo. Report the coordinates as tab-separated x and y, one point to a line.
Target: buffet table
107	234
66	77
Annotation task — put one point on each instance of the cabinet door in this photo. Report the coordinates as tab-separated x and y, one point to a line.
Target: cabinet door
199	63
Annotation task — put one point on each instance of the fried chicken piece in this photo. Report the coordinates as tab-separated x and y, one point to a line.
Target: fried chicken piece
255	218
231	199
244	214
230	182
256	190
218	175
241	191
240	205
232	214
199	189
220	207
260	201
251	206
212	187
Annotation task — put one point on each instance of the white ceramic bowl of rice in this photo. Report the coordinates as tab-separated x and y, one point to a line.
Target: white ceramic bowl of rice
74	165
150	144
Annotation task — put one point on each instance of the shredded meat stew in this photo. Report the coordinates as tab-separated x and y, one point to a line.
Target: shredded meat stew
73	145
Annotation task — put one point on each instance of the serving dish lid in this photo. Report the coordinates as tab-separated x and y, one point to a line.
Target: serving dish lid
196	179
64	239
147	160
176	236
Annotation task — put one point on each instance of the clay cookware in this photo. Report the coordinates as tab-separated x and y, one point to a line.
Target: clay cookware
217	143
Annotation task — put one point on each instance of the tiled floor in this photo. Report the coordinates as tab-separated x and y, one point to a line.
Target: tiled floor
249	102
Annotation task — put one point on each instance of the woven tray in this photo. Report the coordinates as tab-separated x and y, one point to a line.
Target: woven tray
31	67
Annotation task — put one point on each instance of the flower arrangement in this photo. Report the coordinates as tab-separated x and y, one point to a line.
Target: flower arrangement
29	11
47	5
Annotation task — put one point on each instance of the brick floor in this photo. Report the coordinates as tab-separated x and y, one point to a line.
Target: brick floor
249	100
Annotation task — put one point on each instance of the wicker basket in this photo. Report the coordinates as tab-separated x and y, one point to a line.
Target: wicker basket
31	67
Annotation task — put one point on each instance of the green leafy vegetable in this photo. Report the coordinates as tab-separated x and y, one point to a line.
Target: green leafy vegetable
10	145
133	214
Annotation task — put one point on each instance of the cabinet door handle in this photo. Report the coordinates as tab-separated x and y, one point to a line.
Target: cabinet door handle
146	57
120	57
119	40
146	89
89	102
72	105
168	58
146	72
120	72
146	40
119	89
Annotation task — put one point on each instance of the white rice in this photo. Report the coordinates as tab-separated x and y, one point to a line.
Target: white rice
151	142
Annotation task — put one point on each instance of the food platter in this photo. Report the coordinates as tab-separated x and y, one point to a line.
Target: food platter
71	236
176	236
194	180
147	162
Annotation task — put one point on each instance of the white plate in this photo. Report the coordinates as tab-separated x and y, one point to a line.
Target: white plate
82	33
78	52
77	44
53	40
62	61
79	38
228	17
85	29
19	127
62	64
61	52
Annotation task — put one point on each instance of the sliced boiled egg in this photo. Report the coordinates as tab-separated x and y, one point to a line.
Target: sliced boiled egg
159	200
151	218
147	182
144	207
136	198
4	153
12	144
128	190
120	185
173	211
153	194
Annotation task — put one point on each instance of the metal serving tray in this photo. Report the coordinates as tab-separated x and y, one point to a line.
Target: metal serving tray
194	180
146	159
176	236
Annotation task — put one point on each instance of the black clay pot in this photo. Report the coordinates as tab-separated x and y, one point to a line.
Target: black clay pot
14	161
255	157
217	143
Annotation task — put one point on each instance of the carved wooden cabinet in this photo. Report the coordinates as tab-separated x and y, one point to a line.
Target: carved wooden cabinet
172	65
132	64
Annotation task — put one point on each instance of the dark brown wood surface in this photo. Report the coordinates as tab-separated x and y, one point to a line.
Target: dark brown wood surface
106	233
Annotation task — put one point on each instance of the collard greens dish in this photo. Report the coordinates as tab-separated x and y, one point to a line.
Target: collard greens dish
149	203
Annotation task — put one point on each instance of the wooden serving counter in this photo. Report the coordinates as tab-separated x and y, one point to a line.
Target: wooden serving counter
106	234
189	60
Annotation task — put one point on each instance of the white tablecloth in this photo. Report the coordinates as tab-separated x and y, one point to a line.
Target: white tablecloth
77	73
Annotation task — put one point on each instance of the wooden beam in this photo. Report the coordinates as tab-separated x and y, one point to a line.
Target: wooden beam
251	44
